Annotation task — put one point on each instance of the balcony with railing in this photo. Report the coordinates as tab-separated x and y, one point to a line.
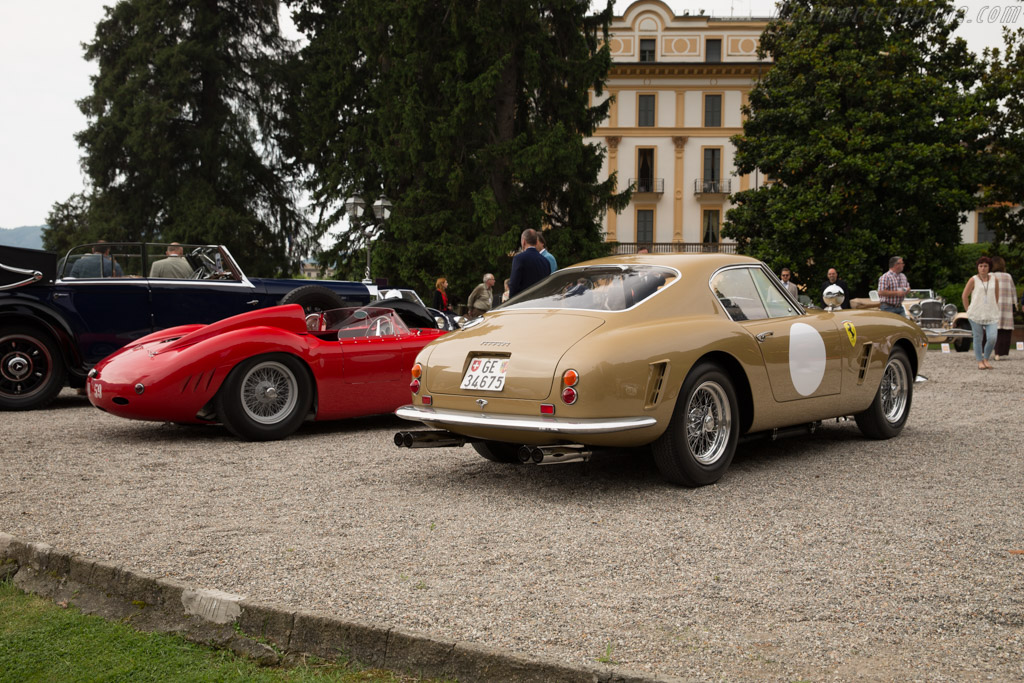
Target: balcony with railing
712	186
676	247
648	185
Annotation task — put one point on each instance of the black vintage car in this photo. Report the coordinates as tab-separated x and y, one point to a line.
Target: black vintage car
59	316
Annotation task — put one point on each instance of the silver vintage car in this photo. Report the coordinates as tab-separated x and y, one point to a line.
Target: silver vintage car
940	321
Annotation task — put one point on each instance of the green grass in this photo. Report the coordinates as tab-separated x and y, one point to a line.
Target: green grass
41	641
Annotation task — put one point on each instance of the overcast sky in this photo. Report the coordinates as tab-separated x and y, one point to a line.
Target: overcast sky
43	73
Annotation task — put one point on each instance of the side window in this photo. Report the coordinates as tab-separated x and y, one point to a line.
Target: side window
776	303
103	260
736	291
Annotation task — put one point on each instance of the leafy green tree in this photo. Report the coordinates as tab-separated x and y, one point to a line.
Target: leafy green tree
1004	172
870	127
67	225
181	141
469	116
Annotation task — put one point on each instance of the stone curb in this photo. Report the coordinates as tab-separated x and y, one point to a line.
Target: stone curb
266	633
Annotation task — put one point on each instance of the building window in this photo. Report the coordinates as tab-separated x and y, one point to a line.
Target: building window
647	50
645	110
713	50
712	111
645	225
712	174
711	226
984	233
645	169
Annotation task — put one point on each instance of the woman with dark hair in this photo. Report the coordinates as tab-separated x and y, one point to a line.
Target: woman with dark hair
440	297
983	311
1007	292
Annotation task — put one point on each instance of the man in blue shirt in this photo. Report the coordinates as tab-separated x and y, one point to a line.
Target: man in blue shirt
528	266
97	264
542	247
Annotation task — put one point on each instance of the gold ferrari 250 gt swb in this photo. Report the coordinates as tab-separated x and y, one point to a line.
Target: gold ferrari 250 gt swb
686	353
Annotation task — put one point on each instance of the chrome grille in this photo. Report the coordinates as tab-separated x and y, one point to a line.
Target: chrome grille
931	314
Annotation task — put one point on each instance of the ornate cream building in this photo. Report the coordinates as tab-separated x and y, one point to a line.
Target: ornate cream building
678	84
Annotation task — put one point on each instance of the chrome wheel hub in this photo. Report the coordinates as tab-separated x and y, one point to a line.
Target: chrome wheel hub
17	367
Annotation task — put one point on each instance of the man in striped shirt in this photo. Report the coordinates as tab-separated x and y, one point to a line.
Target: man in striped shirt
893	287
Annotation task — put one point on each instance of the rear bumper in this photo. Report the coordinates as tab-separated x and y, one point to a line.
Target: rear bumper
936	333
539	424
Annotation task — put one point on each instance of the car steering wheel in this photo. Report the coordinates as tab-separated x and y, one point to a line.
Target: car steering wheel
380	327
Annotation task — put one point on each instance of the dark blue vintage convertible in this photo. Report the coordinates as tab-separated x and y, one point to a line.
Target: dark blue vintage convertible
59	316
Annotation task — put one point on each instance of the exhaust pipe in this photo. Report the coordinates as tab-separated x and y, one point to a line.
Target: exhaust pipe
429	439
778	433
550	455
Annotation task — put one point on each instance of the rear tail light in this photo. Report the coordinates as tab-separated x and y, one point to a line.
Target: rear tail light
569	380
547	409
417	372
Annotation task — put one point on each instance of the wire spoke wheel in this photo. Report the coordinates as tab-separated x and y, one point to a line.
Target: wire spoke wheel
700	441
708	423
269	392
889	410
894	391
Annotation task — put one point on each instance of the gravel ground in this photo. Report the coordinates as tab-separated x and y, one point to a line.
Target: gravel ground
825	557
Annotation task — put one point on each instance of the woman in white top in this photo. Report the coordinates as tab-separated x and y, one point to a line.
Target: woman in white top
1006	290
983	311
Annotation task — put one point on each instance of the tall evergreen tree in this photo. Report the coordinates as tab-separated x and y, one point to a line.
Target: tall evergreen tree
181	142
869	126
468	115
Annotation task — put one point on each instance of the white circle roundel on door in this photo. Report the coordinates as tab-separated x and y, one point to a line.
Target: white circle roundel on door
806	358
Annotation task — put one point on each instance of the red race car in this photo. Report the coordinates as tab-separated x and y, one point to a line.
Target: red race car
263	373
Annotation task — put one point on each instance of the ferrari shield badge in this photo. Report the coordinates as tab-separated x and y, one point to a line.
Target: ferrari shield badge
851	332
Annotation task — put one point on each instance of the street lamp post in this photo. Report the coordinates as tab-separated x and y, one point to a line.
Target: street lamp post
355	207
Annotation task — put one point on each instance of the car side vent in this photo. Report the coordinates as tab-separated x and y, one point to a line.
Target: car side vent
200	382
655	383
865	356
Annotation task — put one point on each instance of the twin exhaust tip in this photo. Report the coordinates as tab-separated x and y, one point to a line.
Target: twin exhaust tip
530	453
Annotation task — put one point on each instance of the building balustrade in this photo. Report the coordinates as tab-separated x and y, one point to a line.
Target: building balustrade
676	247
655	185
712	186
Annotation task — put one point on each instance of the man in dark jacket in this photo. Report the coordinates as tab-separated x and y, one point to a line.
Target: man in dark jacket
833	279
528	266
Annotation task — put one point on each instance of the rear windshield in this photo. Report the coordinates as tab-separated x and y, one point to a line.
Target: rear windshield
596	288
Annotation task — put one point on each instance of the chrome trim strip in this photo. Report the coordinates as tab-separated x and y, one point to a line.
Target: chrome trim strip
33	276
525	423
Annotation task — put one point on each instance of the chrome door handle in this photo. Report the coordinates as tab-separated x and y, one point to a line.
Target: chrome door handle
764	335
253	302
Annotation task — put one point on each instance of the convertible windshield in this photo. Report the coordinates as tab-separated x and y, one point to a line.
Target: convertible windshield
599	288
367	321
